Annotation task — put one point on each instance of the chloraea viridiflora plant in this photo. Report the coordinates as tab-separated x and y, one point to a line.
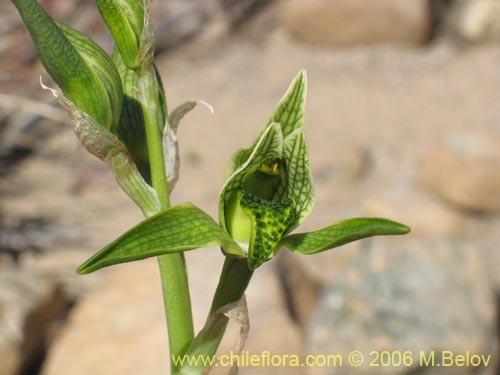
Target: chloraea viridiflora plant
118	110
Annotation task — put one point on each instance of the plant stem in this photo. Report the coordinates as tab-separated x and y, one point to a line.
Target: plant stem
233	282
148	89
174	280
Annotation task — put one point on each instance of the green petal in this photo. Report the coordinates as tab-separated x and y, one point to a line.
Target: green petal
289	114
298	185
179	228
341	233
267	148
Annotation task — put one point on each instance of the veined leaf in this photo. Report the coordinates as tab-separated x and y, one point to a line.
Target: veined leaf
341	233
179	228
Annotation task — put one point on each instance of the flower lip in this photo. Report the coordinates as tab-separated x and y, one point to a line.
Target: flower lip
269	222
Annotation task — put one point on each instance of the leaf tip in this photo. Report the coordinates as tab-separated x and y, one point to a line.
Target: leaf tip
82	270
302	74
403	229
87	267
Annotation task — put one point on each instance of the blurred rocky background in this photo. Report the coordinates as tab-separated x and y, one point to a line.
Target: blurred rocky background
403	121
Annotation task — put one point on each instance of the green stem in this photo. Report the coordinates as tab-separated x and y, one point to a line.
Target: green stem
174	280
233	282
148	89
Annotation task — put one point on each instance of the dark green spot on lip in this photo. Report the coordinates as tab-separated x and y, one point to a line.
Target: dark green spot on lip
270	219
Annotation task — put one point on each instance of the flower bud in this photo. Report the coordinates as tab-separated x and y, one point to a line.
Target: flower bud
125	20
83	71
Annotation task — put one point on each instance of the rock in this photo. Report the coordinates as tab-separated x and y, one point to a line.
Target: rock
426	216
407	295
345	23
482	232
239	11
123	318
465	171
476	21
305	277
30	307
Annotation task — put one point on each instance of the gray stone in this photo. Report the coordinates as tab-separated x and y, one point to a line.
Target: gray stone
465	170
30	308
425	215
476	21
407	295
344	23
304	277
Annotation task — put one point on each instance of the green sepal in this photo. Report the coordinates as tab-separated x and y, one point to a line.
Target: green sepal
125	20
179	228
341	233
65	63
289	113
298	184
269	147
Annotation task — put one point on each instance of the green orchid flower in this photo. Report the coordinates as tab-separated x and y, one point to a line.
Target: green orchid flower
268	192
269	187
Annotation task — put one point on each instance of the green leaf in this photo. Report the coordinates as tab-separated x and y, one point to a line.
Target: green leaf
179	228
341	233
289	114
268	147
67	65
298	185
